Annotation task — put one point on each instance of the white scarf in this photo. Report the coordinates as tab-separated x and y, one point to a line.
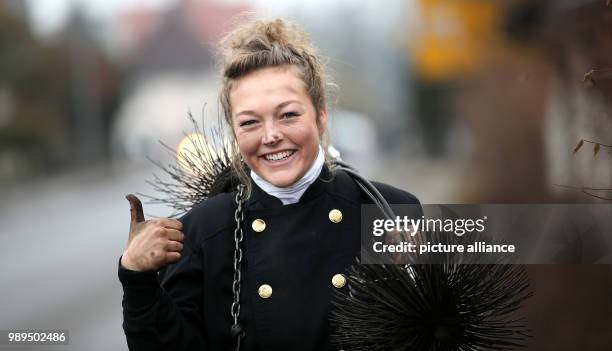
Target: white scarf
293	193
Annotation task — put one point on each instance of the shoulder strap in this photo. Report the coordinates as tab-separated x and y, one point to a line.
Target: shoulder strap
366	186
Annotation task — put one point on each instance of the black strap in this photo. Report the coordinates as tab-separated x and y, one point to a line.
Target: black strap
367	187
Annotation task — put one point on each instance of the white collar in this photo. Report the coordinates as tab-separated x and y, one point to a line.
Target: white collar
293	193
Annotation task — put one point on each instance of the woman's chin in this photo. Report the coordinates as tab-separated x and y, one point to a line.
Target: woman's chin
280	173
281	180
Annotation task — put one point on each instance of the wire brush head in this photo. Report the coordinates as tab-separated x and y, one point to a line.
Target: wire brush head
199	173
431	307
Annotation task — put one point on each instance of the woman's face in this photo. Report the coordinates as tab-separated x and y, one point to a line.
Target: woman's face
275	124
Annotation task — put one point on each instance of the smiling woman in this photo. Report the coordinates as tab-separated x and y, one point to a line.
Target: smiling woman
266	253
275	124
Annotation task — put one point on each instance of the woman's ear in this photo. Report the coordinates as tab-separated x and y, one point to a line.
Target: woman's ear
322	121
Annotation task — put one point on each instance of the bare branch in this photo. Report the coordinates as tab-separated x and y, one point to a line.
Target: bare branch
581	142
595	75
588	191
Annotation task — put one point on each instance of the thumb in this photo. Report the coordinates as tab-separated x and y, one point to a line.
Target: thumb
136	213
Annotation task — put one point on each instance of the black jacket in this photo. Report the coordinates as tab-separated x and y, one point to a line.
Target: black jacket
187	306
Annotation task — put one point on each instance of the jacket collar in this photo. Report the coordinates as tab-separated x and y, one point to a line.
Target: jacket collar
259	199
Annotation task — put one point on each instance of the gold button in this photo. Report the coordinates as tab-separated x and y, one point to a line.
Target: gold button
258	225
335	216
338	280
265	291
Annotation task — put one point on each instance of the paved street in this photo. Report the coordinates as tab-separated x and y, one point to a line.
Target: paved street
61	239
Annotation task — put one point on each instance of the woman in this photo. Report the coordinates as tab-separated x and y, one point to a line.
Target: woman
300	226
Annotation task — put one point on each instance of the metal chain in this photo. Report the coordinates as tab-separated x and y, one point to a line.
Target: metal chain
236	330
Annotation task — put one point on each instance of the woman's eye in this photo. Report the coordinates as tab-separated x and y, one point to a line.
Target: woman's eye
247	123
290	114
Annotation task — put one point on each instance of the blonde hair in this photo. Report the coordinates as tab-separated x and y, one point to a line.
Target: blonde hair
259	44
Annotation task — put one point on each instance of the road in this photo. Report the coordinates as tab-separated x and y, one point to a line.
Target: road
60	242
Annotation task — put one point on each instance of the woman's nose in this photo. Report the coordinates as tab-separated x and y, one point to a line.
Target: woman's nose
272	134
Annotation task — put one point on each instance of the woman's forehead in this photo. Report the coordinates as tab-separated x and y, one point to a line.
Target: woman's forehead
268	84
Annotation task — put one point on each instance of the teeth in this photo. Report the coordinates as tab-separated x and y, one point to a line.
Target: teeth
278	156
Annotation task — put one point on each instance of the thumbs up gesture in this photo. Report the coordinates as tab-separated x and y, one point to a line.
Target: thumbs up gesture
151	244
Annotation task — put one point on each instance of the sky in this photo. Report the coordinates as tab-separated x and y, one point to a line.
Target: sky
48	15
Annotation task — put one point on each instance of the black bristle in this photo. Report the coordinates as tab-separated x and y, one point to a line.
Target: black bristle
431	307
196	175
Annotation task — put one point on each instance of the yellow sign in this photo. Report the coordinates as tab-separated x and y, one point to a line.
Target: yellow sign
452	36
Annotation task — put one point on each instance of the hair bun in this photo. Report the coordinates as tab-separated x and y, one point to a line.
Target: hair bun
259	44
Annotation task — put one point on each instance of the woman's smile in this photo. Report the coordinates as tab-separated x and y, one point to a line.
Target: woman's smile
280	157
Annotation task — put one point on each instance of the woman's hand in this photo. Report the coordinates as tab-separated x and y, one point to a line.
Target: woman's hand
151	244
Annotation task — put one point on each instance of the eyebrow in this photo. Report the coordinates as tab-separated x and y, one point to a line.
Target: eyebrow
278	107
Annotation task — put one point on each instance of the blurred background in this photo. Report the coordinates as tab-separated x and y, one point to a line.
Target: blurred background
456	101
